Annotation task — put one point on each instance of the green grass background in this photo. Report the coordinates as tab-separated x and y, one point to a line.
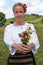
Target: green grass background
4	52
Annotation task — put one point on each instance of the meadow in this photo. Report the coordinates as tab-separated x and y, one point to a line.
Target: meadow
4	52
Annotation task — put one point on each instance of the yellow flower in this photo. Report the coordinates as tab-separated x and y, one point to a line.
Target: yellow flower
33	31
30	38
28	32
22	34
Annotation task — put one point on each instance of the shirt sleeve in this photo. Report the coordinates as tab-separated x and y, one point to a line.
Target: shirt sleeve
8	40
34	40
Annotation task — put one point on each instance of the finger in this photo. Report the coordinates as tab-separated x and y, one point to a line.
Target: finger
24	45
22	49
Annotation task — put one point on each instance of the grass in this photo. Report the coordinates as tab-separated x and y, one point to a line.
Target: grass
39	55
3	49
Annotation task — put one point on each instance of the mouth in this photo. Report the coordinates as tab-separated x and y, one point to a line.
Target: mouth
19	17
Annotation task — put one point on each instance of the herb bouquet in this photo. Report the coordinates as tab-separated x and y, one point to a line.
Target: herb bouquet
26	35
